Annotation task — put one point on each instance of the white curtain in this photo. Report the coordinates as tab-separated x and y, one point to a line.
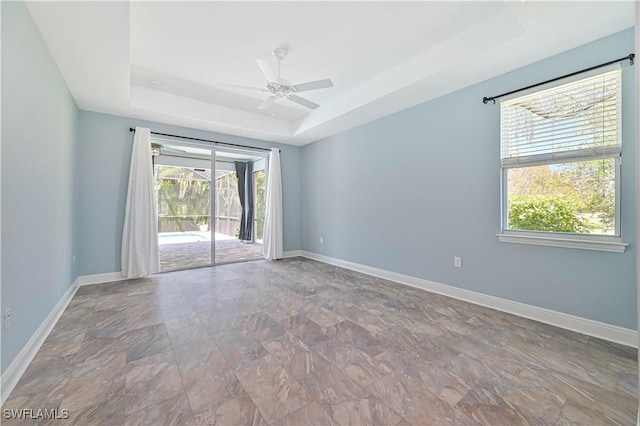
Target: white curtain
272	247
139	256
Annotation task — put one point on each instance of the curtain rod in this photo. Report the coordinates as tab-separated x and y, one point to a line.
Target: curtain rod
630	57
131	129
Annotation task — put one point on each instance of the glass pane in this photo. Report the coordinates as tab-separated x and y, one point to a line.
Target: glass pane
259	189
183	216
227	206
577	197
228	245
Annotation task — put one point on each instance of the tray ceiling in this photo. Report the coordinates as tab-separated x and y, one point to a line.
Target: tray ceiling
166	61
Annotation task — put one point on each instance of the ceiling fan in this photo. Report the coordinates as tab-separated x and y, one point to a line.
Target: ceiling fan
282	89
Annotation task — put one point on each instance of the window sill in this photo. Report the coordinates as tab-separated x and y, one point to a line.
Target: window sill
599	245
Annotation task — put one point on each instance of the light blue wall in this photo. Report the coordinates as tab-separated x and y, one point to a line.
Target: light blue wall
64	176
104	155
408	192
39	135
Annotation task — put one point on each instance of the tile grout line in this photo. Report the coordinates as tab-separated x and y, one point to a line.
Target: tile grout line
173	350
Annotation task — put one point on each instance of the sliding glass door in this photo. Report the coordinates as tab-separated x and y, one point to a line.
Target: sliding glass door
183	183
236	214
210	204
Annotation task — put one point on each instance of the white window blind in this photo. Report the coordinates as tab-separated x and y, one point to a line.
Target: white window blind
571	122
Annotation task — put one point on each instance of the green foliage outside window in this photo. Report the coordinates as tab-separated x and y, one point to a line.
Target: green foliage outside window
184	200
546	213
577	197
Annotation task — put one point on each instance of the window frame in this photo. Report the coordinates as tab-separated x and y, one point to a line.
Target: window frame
600	242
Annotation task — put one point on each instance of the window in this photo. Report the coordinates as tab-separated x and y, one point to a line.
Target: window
183	198
228	208
560	160
259	202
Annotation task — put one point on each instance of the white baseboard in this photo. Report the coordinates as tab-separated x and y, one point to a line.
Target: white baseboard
292	253
601	330
100	278
16	369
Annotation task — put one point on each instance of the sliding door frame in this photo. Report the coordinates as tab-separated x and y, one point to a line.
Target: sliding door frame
213	150
212	206
246	151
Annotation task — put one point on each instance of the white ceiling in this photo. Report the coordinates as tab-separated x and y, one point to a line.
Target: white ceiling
383	57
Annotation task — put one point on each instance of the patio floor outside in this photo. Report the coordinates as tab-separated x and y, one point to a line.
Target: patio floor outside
179	250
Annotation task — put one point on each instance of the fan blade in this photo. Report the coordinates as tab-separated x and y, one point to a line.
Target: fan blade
268	71
313	85
267	102
302	101
237	86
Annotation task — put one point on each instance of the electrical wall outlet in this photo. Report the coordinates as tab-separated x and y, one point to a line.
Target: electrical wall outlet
321	240
7	318
457	262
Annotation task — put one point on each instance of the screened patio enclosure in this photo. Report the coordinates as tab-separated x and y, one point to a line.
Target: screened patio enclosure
211	205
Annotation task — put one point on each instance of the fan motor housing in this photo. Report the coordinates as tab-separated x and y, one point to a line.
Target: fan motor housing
280	90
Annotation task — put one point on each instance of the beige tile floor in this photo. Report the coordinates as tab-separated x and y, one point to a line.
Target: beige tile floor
297	342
